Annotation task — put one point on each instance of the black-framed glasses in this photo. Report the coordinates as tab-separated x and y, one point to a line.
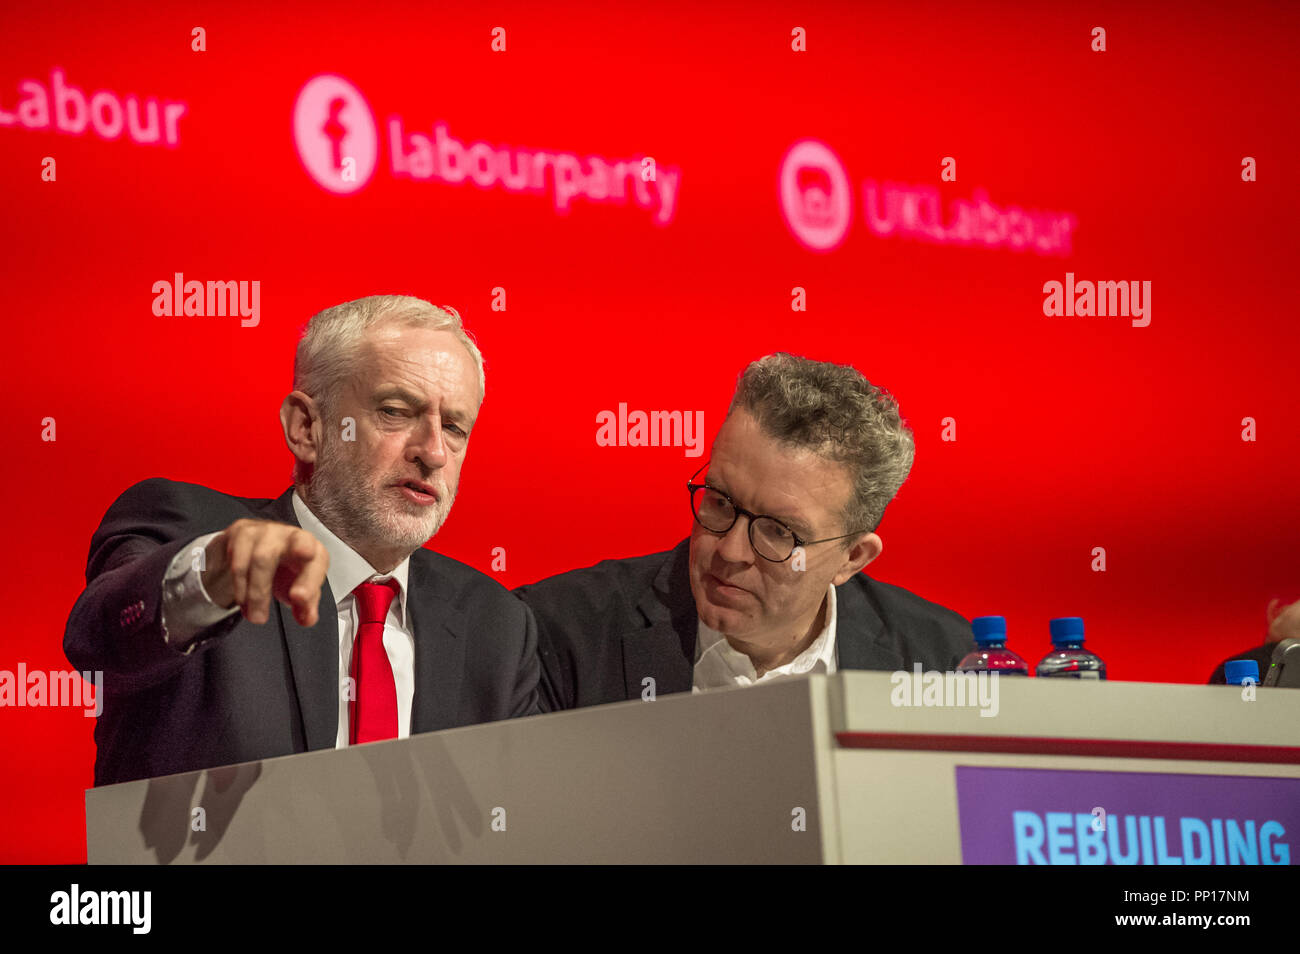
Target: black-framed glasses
771	539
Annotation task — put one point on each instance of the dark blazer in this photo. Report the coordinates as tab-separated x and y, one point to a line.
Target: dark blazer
603	629
253	691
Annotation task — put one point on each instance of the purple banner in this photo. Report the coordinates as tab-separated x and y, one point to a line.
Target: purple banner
1012	816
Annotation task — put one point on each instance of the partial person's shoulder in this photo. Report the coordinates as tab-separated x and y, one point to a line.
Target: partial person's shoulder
158	495
159	499
462	583
626	576
162	511
896	603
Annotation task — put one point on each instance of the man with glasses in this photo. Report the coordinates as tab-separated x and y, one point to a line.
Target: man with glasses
768	584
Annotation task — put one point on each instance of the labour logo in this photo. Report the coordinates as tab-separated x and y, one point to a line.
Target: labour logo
335	134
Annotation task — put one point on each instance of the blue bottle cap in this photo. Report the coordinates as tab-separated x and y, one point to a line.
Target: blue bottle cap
1066	629
1239	669
989	629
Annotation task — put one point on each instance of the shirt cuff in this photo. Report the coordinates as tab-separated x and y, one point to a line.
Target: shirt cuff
187	609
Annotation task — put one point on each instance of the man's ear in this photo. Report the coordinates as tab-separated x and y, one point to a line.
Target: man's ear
1274	607
301	420
865	549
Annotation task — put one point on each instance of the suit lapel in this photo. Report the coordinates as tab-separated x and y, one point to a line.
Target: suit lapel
313	652
664	649
439	628
861	637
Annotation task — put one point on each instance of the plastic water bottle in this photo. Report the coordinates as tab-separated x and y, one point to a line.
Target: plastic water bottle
1237	671
1068	658
991	653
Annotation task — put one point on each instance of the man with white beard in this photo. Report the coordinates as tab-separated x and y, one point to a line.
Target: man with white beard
231	629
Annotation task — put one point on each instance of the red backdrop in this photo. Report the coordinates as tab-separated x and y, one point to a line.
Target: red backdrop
1071	433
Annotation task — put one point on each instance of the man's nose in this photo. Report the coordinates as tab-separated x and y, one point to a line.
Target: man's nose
429	447
734	546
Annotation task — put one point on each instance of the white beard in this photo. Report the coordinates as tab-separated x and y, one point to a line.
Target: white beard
355	514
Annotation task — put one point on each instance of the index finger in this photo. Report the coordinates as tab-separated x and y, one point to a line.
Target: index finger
304	592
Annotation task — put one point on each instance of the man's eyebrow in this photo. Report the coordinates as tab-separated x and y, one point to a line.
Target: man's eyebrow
396	391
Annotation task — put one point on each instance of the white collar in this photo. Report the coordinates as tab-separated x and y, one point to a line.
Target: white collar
718	664
348	569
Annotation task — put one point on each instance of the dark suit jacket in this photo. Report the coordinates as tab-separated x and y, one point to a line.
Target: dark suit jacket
603	629
257	691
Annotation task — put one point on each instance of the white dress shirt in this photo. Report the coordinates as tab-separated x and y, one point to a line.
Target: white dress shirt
187	609
718	665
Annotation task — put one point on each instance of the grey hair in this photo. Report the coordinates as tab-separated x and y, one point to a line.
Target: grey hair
834	411
327	350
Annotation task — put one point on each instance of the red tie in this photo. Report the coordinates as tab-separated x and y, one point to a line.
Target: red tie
372	714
